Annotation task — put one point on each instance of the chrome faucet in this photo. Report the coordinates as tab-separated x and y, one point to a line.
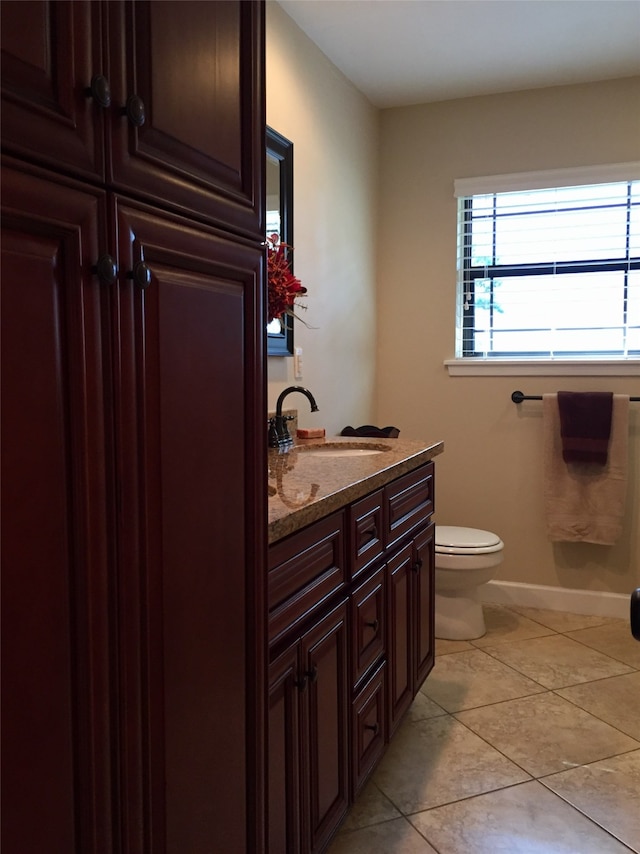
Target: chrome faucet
279	436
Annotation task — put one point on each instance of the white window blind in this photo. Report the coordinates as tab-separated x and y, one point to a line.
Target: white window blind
549	264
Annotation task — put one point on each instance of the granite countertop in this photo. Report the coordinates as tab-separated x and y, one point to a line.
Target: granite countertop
304	487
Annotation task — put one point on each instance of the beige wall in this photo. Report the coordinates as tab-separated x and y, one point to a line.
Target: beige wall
334	131
387	368
490	473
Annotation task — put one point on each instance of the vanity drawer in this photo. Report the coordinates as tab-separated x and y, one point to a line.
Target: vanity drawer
368	625
367	722
408	503
305	569
366	531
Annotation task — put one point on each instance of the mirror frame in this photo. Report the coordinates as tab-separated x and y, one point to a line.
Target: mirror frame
279	147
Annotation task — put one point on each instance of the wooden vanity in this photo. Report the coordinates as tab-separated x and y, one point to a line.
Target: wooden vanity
350	624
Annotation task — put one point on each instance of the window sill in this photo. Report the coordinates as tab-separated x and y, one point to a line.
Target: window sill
543	367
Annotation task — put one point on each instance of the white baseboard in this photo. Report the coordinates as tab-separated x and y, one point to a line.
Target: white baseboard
597	604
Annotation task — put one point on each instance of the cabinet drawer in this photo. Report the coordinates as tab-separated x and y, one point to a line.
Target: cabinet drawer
368	625
368	716
304	571
366	531
408	503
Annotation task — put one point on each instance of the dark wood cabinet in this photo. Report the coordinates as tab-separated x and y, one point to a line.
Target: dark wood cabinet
158	99
284	778
185	128
410	599
133	400
308	737
186	554
351	636
51	52
58	655
400	647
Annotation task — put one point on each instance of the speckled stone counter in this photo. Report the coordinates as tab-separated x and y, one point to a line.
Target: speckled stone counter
304	486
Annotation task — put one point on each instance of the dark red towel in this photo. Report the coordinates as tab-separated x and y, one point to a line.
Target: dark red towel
585	425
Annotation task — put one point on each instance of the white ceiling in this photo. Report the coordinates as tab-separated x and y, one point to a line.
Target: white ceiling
400	52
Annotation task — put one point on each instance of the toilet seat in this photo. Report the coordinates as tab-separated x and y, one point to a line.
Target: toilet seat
454	540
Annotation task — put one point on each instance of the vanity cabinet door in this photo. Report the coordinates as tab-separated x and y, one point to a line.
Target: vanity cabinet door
366	531
324	656
284	780
368	728
400	634
410	648
424	621
308	757
187	122
368	625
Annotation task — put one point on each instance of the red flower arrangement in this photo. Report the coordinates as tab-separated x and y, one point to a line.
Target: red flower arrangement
282	286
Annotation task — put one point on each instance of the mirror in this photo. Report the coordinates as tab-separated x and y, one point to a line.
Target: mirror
279	220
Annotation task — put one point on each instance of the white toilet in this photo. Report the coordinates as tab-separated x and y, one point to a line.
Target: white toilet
465	559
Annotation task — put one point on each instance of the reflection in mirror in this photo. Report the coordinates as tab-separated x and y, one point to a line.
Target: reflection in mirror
279	220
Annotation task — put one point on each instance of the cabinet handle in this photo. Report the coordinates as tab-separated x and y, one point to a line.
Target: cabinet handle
106	269
375	728
374	624
417	566
313	673
301	683
134	111
141	274
99	90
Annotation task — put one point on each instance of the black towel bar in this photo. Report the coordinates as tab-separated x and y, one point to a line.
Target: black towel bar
518	397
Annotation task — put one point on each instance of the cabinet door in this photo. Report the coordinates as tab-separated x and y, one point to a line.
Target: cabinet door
326	708
56	592
50	53
190	441
424	564
192	78
400	632
284	782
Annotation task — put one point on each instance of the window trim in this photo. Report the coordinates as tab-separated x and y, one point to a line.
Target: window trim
464	188
500	367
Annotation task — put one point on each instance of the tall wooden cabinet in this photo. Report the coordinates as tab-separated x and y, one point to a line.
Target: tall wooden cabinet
132	427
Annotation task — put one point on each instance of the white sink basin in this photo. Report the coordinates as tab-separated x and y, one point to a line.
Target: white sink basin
344	452
344	449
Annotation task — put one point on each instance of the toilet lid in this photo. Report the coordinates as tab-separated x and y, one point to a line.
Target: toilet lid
451	539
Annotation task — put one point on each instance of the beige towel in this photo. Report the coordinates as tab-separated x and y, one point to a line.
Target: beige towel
585	502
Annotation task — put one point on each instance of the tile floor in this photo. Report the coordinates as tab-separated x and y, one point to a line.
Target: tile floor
526	741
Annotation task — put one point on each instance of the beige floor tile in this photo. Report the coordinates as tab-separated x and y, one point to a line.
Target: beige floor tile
423	707
560	621
466	680
615	700
523	819
435	761
392	837
546	733
614	639
608	792
370	807
557	661
445	647
504	625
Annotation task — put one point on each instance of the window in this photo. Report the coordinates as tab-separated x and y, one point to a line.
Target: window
549	271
